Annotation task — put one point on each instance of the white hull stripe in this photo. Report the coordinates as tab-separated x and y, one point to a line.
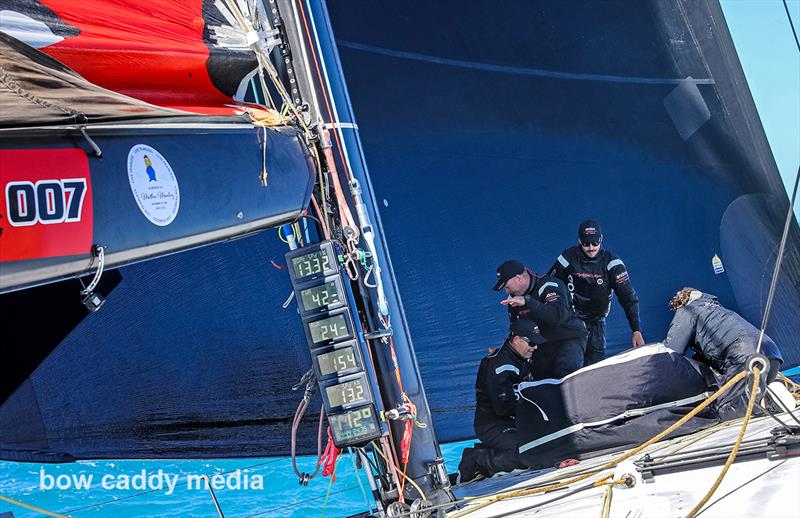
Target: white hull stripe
628	413
563	261
616	262
545	285
506	367
631	355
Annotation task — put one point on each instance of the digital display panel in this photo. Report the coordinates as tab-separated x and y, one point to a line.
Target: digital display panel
354	426
347	393
327	329
339	360
310	264
320	296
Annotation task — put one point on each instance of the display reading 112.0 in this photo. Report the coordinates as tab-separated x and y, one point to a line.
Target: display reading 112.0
331	328
339	360
346	393
320	296
354	426
310	264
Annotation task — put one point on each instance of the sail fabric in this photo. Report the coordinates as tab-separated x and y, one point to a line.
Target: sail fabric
184	54
619	402
492	131
36	90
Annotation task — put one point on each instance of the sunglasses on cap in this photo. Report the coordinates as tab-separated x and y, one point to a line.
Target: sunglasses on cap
590	243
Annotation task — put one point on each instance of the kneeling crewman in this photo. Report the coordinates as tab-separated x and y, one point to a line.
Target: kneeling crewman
495	407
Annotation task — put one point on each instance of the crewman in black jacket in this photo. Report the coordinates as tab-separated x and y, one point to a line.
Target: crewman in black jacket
720	338
591	274
496	403
544	300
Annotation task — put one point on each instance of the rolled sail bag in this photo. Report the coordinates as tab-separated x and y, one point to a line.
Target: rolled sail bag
619	402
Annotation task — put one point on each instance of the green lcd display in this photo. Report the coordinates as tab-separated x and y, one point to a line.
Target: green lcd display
354	426
338	360
348	393
320	296
327	329
313	263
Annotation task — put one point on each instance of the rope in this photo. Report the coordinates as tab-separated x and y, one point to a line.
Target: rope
732	456
610	464
409	480
31	507
330	484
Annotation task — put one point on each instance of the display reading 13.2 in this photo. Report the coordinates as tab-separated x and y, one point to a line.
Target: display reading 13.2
346	393
310	264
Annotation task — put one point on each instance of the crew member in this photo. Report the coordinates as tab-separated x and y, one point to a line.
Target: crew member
546	301
720	338
495	407
591	273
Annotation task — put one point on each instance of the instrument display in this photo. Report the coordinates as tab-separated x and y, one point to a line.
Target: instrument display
329	329
320	296
337	361
354	426
347	393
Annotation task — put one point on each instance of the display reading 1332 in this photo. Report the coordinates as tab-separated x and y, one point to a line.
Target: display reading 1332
332	336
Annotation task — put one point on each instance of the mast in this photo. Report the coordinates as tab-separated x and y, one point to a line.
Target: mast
391	343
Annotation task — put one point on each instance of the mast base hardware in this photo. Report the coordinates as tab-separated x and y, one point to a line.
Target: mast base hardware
438	473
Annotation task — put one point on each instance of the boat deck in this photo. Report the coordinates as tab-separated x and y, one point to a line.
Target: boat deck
754	485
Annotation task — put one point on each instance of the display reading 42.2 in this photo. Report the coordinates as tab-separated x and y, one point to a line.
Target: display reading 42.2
318	296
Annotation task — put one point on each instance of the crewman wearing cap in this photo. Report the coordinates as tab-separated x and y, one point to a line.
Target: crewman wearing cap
591	274
546	301
495	407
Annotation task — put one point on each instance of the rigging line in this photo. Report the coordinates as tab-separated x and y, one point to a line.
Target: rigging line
489	67
778	261
324	91
742	485
295	504
70	511
791	25
31	507
734	451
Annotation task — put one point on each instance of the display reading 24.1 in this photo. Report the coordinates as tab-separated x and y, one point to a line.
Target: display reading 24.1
327	329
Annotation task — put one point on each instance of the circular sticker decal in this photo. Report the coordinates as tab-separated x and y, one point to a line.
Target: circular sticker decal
153	184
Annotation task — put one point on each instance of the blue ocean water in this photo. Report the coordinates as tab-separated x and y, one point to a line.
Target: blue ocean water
241	496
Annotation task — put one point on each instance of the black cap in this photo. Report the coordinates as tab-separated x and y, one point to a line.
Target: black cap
526	328
506	271
589	231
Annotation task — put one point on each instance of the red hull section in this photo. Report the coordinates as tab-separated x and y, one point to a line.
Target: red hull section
47	204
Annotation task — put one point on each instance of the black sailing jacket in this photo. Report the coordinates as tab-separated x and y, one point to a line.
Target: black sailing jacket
547	302
591	282
494	388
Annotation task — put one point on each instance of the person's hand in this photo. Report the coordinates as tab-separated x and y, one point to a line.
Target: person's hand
567	463
637	339
513	301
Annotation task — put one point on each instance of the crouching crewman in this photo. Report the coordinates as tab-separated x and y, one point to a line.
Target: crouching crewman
721	339
496	403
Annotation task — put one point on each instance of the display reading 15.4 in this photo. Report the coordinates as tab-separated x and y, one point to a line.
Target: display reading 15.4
319	296
310	264
346	393
330	328
339	360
